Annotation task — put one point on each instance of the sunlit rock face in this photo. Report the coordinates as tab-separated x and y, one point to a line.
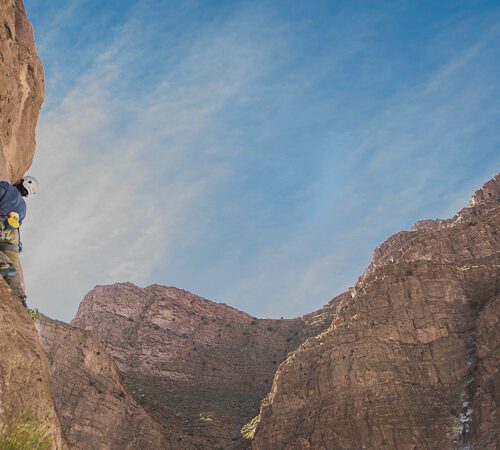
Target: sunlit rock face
21	90
27	411
95	409
199	368
412	358
471	234
25	397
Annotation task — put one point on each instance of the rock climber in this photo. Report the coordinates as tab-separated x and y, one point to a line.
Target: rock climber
12	214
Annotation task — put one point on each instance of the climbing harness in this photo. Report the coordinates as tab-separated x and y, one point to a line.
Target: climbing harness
9	240
9	232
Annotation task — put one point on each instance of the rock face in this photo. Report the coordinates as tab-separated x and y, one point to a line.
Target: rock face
485	405
95	409
27	411
412	358
471	234
24	381
21	90
199	368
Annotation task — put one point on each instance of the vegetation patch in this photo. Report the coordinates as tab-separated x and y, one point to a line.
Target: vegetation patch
206	417
34	313
25	434
248	431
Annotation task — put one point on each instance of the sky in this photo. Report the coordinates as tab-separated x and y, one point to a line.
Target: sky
252	152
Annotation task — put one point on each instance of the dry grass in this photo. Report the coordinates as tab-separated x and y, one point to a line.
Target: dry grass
25	434
248	431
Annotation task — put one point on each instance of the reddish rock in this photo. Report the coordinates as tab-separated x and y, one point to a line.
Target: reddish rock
486	197
24	380
25	398
21	90
473	233
199	368
411	360
95	409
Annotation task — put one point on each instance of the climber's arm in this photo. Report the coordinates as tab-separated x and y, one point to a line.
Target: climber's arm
4	186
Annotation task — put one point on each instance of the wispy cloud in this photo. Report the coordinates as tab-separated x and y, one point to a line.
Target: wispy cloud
254	154
419	156
123	176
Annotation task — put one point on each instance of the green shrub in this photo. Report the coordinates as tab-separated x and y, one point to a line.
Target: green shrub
34	313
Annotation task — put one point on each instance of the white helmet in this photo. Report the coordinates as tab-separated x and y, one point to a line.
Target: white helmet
30	184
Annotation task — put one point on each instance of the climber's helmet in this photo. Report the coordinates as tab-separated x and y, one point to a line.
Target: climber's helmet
28	185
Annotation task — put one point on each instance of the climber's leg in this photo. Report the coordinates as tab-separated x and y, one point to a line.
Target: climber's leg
16	282
6	265
9	259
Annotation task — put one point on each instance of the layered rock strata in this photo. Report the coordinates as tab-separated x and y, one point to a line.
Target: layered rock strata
199	368
26	406
95	409
471	234
21	90
411	360
485	403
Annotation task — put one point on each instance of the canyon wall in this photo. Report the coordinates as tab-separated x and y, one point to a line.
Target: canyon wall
27	412
95	409
26	406
21	90
199	368
407	359
412	358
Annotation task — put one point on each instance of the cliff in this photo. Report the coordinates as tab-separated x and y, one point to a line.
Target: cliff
27	412
26	407
21	91
95	409
412	358
199	368
407	359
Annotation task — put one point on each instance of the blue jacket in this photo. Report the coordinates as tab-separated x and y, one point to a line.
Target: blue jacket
11	200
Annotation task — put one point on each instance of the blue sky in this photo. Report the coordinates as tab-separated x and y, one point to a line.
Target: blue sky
252	152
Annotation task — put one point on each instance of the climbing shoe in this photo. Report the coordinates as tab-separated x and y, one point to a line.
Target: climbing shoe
8	271
23	302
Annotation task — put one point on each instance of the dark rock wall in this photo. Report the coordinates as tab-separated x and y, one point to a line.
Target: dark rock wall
485	409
